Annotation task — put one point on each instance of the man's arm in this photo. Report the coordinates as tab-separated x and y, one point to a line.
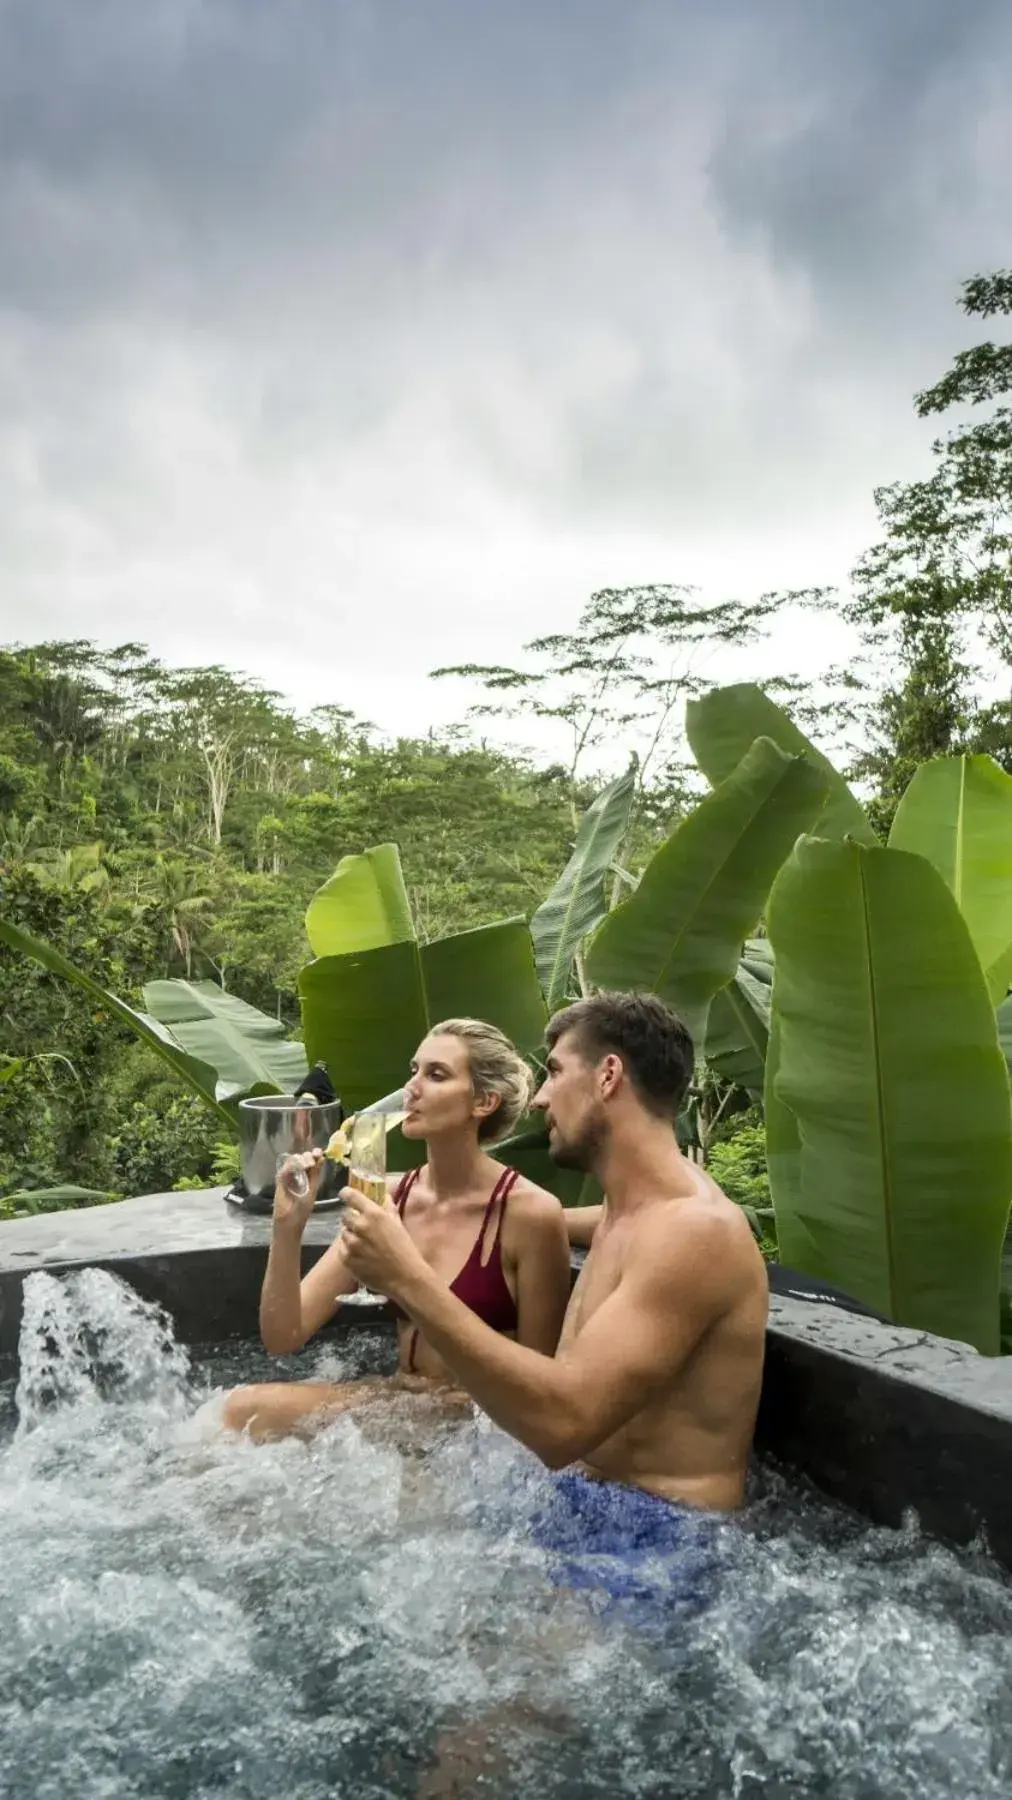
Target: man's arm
562	1408
581	1224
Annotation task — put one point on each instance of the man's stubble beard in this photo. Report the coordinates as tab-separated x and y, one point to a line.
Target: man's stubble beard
582	1153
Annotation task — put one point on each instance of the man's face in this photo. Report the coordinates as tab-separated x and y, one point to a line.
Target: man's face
571	1101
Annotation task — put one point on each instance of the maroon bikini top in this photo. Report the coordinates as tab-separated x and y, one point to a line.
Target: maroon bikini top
481	1285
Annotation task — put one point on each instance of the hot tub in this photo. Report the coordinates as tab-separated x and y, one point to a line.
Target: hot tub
367	1614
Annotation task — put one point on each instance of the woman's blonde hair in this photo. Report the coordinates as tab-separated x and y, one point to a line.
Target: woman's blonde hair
496	1068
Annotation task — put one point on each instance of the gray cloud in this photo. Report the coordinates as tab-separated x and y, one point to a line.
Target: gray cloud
442	314
862	156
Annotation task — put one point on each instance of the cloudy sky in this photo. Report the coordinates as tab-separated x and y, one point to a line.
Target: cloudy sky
341	338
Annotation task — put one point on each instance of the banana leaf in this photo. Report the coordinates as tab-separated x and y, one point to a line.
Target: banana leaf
29	1201
364	1015
957	812
246	1047
1004	1017
723	723
679	935
755	975
198	1075
738	1023
363	906
894	1179
783	1157
578	901
389	1103
487	973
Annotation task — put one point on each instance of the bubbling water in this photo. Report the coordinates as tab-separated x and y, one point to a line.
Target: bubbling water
187	1614
90	1338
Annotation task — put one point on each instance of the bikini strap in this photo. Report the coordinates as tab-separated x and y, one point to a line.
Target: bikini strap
403	1189
501	1193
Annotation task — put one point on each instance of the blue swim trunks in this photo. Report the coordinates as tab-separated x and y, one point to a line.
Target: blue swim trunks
650	1558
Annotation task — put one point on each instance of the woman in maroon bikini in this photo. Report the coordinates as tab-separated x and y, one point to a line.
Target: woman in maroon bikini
499	1241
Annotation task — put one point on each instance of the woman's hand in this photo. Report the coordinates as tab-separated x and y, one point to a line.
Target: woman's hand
377	1248
291	1209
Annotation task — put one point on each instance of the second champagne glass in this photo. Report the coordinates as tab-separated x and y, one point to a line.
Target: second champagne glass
367	1167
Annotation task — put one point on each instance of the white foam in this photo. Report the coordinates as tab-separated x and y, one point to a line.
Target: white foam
207	1423
187	1613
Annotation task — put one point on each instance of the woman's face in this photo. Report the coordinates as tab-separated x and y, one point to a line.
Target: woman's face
439	1097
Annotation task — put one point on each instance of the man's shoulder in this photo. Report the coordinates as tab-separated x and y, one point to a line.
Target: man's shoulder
702	1233
698	1216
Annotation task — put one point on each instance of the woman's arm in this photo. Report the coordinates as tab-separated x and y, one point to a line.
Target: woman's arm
292	1309
581	1223
542	1264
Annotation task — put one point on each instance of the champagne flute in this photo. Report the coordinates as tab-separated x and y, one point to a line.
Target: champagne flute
293	1175
367	1167
367	1156
289	1170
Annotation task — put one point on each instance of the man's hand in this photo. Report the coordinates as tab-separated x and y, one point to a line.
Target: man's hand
377	1249
292	1210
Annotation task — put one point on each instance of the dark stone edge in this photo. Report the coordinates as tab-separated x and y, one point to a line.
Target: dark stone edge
885	1444
211	1294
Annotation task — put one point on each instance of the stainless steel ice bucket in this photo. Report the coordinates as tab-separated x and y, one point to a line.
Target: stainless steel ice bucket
276	1125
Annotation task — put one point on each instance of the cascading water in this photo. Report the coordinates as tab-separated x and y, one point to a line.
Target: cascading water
88	1338
366	1614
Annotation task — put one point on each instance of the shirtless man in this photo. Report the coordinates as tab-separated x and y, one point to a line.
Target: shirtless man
656	1380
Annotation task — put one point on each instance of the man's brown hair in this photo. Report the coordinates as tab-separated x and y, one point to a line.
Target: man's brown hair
649	1037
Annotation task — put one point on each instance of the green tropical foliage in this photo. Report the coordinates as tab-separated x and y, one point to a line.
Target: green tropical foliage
889	1066
737	1162
246	1049
822	1041
364	1015
1004	1017
935	591
365	1011
722	726
210	814
738	1023
680	934
623	675
579	901
957	813
197	1074
30	1201
363	906
886	1103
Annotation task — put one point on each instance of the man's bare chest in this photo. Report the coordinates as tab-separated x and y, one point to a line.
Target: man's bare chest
598	1279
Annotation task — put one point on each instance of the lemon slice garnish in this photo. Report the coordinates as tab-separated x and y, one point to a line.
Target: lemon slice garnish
339	1148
